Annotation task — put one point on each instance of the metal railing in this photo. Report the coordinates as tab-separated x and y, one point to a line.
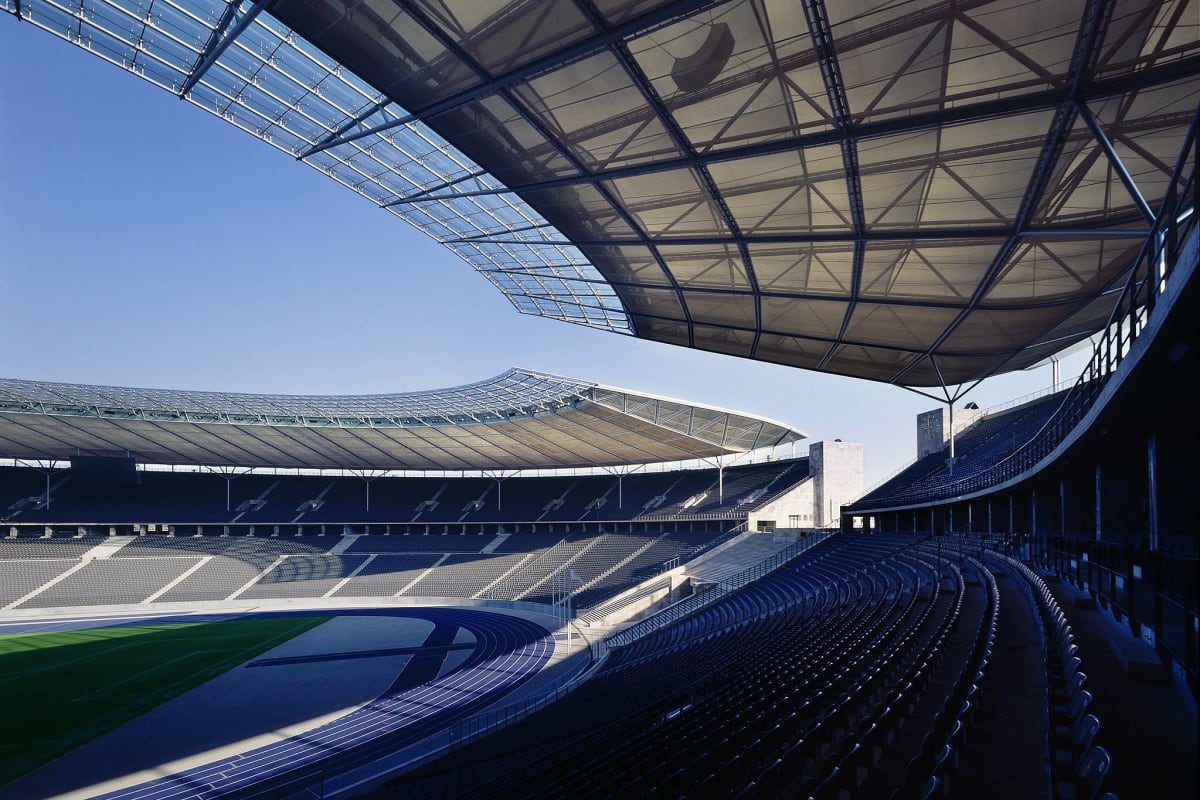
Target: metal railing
1156	593
715	592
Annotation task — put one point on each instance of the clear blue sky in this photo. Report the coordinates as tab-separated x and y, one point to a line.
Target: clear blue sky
145	242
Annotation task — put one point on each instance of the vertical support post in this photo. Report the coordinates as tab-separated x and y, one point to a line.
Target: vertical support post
498	494
367	481
1033	526
1152	489
720	482
1062	507
620	491
1099	504
951	407
228	481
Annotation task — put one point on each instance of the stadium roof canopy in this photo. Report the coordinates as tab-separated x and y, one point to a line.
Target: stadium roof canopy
518	420
922	192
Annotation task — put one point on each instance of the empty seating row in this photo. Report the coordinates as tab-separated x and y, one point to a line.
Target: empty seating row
267	501
772	691
1079	765
46	572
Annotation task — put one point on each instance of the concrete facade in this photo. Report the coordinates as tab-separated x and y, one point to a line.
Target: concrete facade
933	427
835	477
837	473
793	509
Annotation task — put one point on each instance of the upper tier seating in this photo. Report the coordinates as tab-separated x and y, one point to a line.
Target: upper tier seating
976	449
441	504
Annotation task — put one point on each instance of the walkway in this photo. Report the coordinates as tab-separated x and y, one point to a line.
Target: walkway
1149	730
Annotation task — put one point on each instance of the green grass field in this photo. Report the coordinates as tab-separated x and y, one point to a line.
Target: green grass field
59	690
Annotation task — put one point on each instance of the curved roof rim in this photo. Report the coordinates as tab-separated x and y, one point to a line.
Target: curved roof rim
520	419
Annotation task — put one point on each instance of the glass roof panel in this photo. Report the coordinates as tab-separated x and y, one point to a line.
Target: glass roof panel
627	264
382	43
933	134
495	133
986	331
903	58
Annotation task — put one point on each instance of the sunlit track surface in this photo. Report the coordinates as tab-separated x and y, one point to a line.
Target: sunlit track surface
508	651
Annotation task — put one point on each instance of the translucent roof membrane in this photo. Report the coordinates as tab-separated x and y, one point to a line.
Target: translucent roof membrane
519	420
516	392
279	87
917	192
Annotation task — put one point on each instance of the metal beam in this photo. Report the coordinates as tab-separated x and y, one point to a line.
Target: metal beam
972	112
918	235
1114	160
424	194
353	122
684	145
835	90
1087	50
455	48
556	59
217	44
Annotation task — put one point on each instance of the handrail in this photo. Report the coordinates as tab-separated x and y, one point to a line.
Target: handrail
713	593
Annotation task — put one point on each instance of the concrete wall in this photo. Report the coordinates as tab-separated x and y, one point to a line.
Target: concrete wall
837	476
933	427
796	503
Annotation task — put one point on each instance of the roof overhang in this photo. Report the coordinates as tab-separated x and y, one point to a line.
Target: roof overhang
922	193
519	420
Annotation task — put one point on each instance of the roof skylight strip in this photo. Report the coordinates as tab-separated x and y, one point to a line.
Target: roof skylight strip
509	393
247	87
